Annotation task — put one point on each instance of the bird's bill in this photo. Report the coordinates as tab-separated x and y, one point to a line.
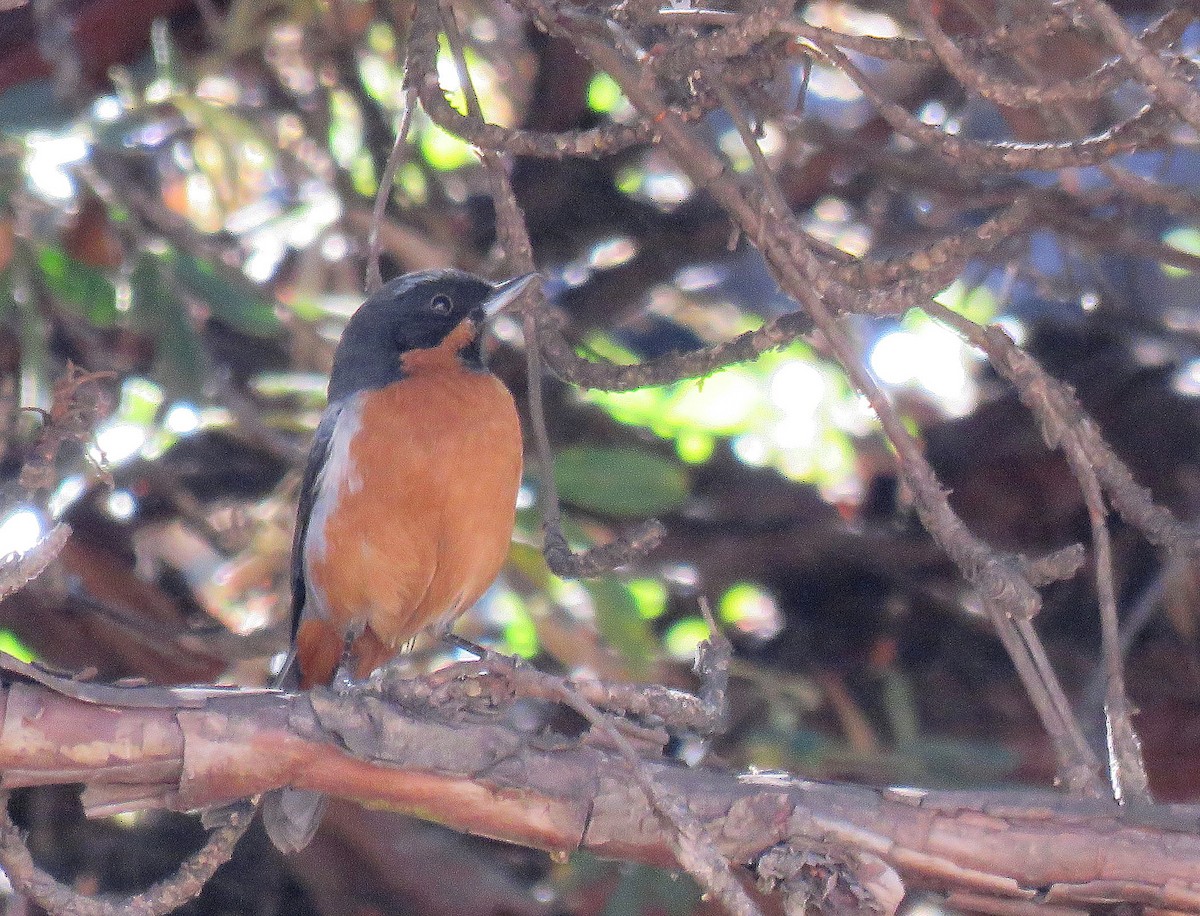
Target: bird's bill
504	294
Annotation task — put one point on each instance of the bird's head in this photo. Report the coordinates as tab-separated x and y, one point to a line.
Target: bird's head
420	318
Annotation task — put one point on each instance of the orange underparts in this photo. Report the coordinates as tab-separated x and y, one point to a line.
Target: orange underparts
320	645
423	515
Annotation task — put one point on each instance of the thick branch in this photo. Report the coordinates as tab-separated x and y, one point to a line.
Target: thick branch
476	774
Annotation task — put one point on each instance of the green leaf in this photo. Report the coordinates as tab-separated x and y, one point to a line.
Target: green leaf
1185	239
10	644
154	309
621	624
83	289
620	481
235	302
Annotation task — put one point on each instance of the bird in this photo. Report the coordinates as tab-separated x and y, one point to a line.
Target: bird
409	494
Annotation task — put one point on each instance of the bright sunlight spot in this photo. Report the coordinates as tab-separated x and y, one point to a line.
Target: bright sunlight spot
604	95
65	495
650	595
120	505
48	156
1187	379
612	252
182	419
751	610
116	443
787	410
684	636
20	531
929	357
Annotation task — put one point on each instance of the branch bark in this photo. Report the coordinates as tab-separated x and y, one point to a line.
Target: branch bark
186	749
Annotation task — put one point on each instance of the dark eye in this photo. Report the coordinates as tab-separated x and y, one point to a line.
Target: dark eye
441	304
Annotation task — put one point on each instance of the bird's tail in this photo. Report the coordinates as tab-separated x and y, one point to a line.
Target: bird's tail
291	816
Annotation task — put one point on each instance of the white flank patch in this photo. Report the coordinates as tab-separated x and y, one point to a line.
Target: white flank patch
339	469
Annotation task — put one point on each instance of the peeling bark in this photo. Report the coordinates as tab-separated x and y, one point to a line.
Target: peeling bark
478	775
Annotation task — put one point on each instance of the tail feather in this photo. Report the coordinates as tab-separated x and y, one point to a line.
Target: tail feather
292	816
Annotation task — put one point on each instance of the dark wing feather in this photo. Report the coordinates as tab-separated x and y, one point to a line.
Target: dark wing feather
317	455
291	816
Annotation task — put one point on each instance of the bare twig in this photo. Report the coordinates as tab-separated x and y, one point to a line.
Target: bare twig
1162	79
1087	88
421	76
1063	428
1144	609
169	894
694	849
1011	602
76	405
374	280
462	683
1145	129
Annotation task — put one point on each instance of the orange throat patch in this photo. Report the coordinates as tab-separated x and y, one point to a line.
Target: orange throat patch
446	354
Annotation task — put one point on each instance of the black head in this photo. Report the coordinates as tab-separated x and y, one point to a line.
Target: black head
415	312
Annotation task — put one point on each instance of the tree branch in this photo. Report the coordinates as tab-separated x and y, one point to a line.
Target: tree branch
475	773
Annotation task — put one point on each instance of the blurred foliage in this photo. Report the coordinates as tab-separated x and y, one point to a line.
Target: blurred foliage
788	409
11	645
619	482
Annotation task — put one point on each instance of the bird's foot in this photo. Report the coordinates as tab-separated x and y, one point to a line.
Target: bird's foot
343	679
343	682
454	641
489	657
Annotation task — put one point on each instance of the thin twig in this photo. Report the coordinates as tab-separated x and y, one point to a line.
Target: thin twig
1062	428
169	894
1161	79
1145	129
1011	602
374	279
1087	88
421	76
694	849
1145	608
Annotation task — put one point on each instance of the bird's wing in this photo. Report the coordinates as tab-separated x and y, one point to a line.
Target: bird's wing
291	816
317	456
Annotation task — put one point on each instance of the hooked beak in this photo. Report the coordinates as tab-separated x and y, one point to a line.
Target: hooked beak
504	294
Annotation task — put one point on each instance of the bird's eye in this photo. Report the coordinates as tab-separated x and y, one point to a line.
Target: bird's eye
441	304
